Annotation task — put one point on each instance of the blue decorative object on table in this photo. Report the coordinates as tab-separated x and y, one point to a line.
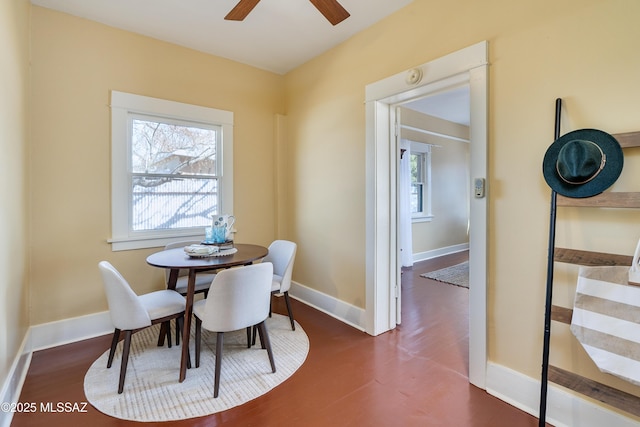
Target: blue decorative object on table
227	222
219	234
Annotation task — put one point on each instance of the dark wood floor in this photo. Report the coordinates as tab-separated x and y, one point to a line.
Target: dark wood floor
416	375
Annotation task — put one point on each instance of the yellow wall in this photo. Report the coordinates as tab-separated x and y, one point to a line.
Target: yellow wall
75	65
449	198
584	51
14	106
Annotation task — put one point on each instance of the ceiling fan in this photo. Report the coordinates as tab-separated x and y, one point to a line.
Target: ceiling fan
331	9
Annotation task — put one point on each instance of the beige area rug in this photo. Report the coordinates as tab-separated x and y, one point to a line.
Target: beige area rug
455	275
152	391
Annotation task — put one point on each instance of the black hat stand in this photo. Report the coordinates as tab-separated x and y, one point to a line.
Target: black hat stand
547	310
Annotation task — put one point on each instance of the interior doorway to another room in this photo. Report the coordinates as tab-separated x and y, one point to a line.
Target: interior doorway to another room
434	174
468	66
433	211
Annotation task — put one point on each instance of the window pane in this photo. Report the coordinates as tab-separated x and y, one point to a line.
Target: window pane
414	165
416	198
169	203
163	156
172	149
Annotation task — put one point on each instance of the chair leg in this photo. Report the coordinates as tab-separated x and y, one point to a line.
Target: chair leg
286	299
178	329
254	335
266	343
167	331
114	344
198	338
216	383
125	359
162	335
256	331
249	337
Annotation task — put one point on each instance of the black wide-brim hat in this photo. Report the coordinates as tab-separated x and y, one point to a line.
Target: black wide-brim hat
583	163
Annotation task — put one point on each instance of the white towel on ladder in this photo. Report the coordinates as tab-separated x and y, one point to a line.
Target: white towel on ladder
606	320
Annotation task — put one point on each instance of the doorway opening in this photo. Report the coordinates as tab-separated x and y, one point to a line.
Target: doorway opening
433	181
466	66
434	174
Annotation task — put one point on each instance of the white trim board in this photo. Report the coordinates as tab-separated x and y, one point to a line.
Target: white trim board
563	408
344	312
71	330
47	335
12	386
435	253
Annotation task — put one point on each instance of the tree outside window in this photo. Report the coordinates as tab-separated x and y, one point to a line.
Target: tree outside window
174	183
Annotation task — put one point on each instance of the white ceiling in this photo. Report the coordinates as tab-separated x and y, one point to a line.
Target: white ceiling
277	36
453	105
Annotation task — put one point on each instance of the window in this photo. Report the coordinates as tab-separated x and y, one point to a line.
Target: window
417	183
420	198
171	169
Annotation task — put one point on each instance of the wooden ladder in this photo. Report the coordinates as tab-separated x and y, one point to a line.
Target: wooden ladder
595	390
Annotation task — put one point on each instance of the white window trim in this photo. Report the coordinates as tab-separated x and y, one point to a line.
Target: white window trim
122	104
426	215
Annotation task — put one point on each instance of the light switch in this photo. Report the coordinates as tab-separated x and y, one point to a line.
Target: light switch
478	187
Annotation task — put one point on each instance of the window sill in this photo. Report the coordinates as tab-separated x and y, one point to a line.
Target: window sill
425	218
131	243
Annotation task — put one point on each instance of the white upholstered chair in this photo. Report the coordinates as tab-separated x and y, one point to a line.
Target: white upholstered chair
203	280
282	254
130	312
238	299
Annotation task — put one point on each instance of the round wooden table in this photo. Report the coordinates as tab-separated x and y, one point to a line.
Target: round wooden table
177	259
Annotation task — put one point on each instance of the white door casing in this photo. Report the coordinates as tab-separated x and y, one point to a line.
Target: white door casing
466	66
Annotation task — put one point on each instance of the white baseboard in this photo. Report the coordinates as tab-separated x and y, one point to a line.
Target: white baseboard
563	408
66	331
423	256
46	335
346	313
15	379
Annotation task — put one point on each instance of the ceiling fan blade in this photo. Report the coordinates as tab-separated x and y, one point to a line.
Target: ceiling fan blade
332	10
241	10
